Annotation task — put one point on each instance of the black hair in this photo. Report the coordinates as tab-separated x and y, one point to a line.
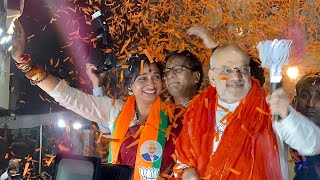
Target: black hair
191	61
308	79
256	70
132	71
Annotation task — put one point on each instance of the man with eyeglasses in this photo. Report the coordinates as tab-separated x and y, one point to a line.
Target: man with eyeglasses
228	131
183	76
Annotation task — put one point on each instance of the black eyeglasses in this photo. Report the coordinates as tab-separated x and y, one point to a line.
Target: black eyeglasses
228	71
175	70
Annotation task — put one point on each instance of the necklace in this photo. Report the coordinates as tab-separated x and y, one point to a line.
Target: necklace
139	117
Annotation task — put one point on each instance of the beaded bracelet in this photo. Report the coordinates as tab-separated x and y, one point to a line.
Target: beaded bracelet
25	57
23	65
34	71
26	65
41	76
31	69
27	68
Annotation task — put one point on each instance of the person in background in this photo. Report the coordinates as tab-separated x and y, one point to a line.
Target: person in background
307	102
183	76
12	172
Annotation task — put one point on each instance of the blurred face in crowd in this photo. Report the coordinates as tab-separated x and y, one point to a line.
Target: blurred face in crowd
308	101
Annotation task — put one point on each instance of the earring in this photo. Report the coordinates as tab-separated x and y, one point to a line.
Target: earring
197	77
130	91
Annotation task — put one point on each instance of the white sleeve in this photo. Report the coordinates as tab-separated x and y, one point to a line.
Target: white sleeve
98	109
299	133
99	91
4	176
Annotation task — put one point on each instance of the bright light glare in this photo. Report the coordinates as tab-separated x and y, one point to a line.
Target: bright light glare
293	72
10	29
1	31
77	125
62	123
8	38
3	40
10	48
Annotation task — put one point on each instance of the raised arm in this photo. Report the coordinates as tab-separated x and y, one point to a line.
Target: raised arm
204	34
48	82
96	80
99	109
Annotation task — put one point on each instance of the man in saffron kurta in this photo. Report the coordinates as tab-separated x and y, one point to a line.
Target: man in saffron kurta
228	132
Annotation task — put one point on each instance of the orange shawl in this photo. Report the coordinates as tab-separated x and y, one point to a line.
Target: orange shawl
248	148
152	132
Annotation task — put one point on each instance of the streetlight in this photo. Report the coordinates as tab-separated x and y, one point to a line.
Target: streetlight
62	123
293	72
69	127
77	125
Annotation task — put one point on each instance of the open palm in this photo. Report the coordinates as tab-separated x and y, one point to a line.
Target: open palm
19	42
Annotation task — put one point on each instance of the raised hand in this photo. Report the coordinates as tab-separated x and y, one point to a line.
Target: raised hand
204	34
95	78
279	102
19	42
190	174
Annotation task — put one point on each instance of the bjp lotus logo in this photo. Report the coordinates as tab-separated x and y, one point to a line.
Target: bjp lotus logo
148	173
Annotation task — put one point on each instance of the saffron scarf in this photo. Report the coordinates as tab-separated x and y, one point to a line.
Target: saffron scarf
152	132
248	148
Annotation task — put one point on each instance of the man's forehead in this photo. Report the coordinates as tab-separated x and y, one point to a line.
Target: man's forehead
176	60
230	55
310	88
235	61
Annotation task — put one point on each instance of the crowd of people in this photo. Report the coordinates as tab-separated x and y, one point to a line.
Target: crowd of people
223	132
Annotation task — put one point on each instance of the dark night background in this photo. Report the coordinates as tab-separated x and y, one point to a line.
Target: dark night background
48	43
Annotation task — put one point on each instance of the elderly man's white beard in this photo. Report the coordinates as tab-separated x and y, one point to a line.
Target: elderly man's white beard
228	97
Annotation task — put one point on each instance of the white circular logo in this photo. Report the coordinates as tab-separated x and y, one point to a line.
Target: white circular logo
151	151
